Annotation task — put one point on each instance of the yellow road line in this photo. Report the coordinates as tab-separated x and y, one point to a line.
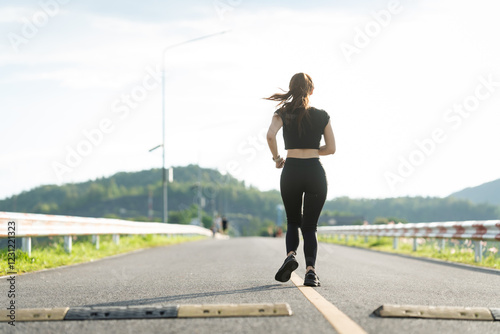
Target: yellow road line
341	322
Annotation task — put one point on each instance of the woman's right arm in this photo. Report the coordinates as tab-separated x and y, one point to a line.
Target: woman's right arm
275	126
329	147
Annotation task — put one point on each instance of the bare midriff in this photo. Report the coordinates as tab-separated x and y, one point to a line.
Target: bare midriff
303	153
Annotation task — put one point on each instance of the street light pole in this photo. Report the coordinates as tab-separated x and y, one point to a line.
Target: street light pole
164	171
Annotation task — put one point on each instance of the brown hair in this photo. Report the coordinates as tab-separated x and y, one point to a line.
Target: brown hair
300	87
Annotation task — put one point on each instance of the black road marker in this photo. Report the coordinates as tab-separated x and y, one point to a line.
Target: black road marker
123	312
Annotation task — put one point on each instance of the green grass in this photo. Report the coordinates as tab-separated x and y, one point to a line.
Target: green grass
458	251
53	255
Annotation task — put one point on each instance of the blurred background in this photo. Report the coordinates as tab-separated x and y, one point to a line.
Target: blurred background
412	88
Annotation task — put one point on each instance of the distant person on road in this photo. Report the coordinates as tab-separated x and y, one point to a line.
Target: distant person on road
214	229
303	180
218	223
224	224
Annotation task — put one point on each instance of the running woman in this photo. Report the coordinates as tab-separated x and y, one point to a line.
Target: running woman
303	180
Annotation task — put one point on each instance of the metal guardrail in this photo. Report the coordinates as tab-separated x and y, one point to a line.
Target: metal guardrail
28	225
486	230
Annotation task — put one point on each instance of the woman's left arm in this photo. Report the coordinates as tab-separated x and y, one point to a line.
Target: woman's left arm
275	126
329	147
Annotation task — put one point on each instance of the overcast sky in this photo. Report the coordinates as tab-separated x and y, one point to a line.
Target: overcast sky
412	88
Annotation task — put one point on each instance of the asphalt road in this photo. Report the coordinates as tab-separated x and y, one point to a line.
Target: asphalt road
242	271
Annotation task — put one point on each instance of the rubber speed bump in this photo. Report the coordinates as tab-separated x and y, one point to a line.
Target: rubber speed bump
234	310
146	312
123	312
439	312
34	314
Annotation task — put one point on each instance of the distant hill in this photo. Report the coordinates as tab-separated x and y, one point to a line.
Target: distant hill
125	194
414	209
128	195
488	193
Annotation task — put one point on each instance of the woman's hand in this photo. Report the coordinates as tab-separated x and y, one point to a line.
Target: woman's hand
280	163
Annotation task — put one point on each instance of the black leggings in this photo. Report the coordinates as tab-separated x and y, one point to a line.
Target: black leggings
303	190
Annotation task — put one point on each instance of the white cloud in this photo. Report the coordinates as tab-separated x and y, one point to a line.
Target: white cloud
394	92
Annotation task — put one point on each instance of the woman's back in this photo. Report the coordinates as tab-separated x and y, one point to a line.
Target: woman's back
307	134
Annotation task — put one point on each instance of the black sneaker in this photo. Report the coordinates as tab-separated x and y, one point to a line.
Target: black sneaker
286	269
311	279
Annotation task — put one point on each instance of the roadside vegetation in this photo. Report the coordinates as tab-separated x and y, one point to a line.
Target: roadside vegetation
50	253
459	251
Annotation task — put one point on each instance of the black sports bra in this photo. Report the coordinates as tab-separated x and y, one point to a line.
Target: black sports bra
313	126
